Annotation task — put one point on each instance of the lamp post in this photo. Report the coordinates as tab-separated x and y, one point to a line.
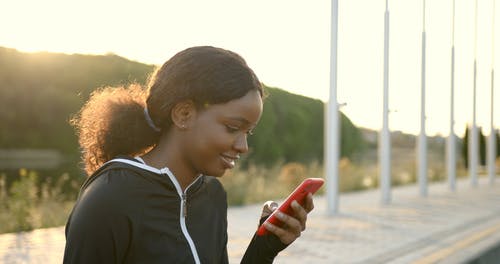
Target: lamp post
473	140
422	138
332	121
385	140
451	143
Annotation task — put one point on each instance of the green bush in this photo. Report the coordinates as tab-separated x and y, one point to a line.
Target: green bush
28	204
258	184
292	130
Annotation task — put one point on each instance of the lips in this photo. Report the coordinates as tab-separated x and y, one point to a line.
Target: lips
229	161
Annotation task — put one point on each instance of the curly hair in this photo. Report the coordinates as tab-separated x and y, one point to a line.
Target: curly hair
112	122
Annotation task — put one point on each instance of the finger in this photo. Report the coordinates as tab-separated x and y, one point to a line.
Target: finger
309	204
300	214
291	224
268	208
284	235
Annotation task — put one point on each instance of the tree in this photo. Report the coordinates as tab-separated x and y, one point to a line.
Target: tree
482	147
465	147
498	143
290	130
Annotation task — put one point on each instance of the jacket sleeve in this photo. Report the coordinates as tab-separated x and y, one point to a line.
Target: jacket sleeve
263	249
225	257
98	230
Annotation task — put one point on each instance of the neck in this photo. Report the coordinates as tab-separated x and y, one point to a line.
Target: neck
168	154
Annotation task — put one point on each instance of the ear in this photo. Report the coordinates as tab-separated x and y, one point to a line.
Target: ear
183	113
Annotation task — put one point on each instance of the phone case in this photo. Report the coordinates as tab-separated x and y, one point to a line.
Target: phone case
309	185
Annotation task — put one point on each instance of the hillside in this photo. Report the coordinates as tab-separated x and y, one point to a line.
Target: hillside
39	92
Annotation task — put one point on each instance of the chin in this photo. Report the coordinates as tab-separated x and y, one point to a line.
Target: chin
214	172
218	174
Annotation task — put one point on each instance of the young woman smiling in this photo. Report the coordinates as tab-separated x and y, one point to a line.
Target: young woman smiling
153	156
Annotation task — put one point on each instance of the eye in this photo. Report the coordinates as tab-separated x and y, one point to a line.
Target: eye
232	129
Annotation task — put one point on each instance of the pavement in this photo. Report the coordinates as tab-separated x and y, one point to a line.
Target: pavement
444	227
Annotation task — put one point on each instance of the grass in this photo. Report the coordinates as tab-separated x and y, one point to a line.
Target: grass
258	184
30	204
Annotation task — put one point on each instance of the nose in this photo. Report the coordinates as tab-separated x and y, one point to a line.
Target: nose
241	144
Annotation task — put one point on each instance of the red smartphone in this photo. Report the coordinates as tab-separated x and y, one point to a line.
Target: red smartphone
309	185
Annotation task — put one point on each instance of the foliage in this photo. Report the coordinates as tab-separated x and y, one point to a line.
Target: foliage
465	147
291	130
481	146
352	140
30	204
39	93
257	184
22	199
498	143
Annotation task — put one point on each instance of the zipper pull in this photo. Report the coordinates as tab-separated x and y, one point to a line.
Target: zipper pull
184	205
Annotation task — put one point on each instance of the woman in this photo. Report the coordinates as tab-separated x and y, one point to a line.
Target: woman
149	198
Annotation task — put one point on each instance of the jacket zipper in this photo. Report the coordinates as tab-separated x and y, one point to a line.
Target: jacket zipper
182	195
183	211
184	205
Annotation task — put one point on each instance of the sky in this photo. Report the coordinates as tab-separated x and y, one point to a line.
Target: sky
287	43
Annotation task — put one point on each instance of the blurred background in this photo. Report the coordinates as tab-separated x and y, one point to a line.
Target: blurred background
53	54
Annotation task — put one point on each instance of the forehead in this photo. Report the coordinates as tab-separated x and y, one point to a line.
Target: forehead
246	109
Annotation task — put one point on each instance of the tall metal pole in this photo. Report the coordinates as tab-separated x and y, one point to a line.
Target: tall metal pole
422	139
332	132
473	140
492	139
451	149
385	142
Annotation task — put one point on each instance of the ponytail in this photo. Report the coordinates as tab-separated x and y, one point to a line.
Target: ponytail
113	123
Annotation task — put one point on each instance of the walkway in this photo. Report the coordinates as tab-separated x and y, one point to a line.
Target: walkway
445	227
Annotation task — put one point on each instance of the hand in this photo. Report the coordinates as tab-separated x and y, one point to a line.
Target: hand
268	208
293	225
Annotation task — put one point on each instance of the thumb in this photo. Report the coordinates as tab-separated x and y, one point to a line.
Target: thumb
268	208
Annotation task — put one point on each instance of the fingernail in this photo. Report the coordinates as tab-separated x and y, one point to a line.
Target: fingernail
280	215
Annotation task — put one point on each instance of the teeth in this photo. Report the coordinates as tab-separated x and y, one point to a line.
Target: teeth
231	161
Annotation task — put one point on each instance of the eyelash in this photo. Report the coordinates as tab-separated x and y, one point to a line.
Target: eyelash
233	129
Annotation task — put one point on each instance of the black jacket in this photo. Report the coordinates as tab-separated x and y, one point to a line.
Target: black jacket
129	212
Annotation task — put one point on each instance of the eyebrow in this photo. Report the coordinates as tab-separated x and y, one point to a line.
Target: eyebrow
240	119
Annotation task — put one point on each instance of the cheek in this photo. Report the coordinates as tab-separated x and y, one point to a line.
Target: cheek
206	156
212	142
219	143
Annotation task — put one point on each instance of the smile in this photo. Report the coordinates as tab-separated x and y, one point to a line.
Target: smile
229	161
